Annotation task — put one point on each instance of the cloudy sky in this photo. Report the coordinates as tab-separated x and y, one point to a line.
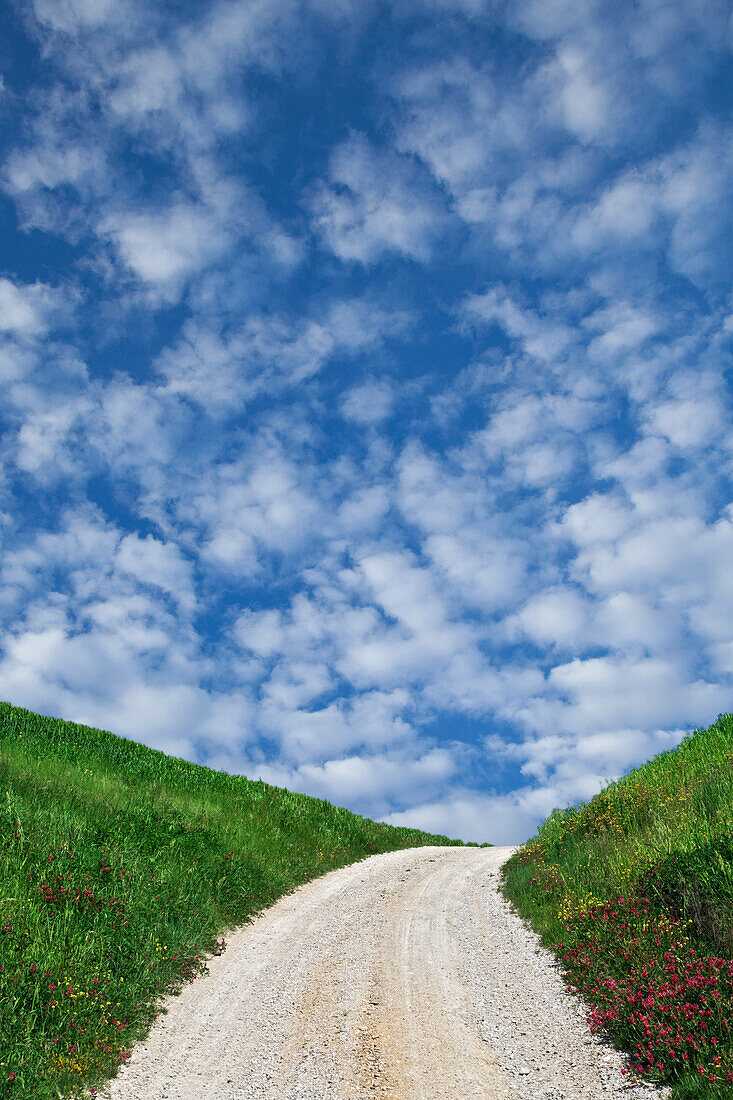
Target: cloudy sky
366	389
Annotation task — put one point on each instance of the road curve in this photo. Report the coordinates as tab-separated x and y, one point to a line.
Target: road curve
404	976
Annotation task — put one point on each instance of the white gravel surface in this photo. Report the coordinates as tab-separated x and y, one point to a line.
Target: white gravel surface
404	976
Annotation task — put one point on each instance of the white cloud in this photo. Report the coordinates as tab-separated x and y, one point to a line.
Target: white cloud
541	337
556	617
406	593
297	685
370	403
605	693
271	352
375	204
476	816
166	247
456	119
622	328
74	15
160	564
600	518
440	496
369	722
629	622
43	435
371	780
527	440
91	678
26	310
627	210
608	57
135	432
240	509
364	510
673	202
487	572
199	59
695	413
149	80
553	18
260	631
586	103
47	166
97	642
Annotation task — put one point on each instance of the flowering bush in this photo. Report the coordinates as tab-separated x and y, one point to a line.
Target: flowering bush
652	990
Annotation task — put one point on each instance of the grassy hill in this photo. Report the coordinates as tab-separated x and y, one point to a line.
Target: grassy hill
634	890
119	869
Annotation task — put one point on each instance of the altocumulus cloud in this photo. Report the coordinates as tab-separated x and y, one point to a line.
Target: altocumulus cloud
367	427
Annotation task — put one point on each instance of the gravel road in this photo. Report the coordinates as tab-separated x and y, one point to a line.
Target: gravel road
404	976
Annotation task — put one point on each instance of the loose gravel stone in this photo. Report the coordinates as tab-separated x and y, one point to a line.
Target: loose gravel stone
406	976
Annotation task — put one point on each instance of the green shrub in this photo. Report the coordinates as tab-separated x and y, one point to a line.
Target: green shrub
696	887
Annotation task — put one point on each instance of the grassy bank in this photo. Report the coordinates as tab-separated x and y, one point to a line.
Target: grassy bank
119	869
634	890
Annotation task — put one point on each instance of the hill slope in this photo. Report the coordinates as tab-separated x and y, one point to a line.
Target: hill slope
635	892
120	867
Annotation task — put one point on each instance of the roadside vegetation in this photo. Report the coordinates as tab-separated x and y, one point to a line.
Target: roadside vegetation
121	868
634	891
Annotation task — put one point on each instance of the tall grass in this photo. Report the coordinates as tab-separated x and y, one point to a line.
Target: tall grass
634	890
120	868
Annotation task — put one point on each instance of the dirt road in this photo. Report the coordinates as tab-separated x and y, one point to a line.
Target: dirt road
405	976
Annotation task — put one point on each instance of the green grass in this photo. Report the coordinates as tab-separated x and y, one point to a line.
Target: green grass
120	868
634	890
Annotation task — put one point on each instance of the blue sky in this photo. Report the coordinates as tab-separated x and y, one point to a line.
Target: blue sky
366	389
